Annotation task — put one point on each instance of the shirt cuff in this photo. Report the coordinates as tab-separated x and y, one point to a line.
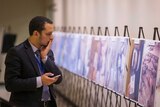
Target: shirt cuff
39	81
45	59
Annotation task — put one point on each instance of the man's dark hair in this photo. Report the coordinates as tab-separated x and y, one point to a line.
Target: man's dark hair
37	23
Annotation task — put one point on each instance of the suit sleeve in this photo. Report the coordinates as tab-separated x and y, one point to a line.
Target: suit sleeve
13	80
50	66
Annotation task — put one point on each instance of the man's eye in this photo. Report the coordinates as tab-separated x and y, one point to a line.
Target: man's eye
48	34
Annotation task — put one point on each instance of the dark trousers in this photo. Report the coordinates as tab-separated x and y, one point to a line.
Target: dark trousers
36	104
48	104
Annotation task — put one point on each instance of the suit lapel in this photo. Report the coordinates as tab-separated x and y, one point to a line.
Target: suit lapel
31	56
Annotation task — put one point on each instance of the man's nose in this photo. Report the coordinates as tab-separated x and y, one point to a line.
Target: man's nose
51	37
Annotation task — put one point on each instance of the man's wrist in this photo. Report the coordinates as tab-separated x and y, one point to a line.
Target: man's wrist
44	59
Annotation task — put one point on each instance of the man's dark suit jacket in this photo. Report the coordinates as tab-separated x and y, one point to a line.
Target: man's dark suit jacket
21	72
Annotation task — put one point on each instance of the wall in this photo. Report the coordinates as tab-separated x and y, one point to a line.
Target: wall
1	33
17	14
111	13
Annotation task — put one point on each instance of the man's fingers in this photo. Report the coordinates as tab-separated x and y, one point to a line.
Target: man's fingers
50	43
49	74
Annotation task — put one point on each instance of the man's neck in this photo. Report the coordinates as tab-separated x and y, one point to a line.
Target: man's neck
34	42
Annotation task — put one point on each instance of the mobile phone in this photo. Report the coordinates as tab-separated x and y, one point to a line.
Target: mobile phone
51	76
57	76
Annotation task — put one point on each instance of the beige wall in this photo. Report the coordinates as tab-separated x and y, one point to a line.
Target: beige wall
17	14
111	13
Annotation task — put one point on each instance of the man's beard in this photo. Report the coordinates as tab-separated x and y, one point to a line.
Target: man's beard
44	45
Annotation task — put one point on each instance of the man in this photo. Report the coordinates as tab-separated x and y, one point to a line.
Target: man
30	68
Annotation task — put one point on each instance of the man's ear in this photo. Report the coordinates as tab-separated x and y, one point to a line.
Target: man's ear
35	33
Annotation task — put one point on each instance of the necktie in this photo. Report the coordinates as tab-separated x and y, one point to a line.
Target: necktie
45	93
39	62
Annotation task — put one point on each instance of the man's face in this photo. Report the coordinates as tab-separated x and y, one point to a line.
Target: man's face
46	34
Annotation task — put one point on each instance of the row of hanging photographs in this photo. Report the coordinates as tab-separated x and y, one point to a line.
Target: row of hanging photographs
128	66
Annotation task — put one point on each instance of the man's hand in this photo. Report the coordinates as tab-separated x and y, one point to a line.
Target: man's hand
46	80
45	50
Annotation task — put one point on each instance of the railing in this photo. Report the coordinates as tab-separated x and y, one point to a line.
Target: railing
81	92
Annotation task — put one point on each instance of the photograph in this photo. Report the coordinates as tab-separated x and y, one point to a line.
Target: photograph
135	60
148	75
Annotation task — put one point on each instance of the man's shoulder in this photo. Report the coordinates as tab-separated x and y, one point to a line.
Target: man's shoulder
20	47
